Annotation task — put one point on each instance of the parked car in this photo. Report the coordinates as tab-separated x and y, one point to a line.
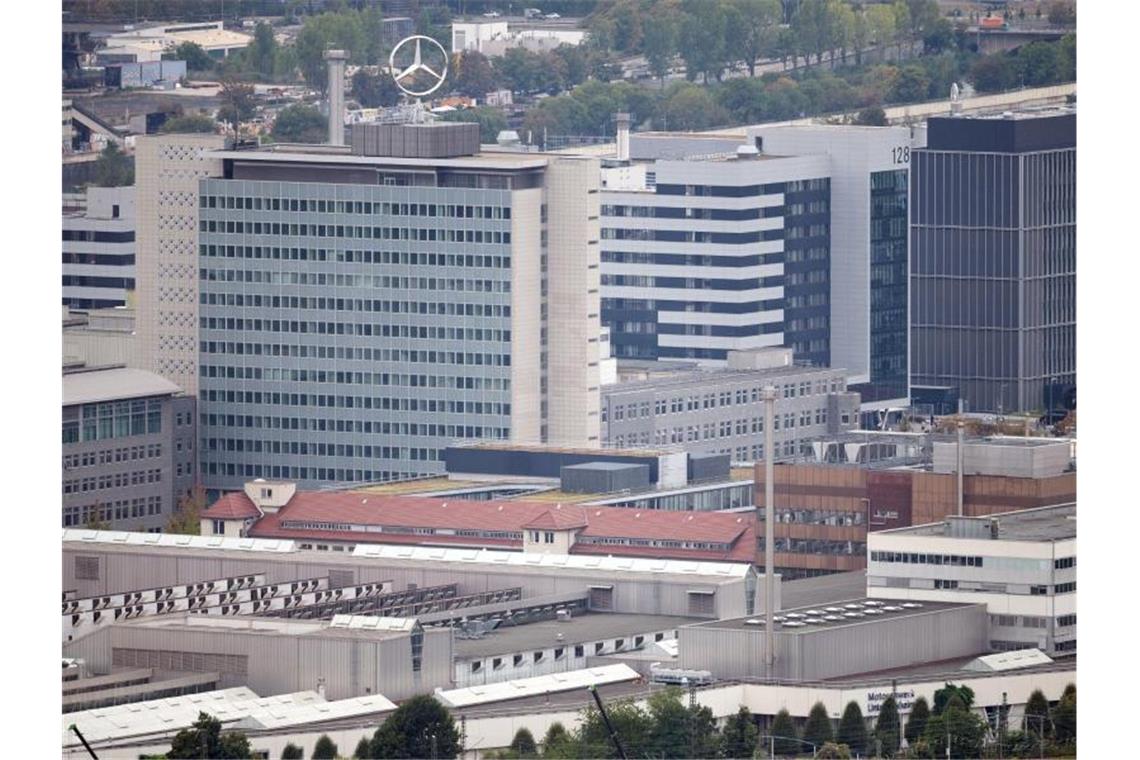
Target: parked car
491	14
552	16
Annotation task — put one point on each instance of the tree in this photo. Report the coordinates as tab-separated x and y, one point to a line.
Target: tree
238	104
1062	14
491	121
833	751
632	725
292	752
300	124
679	731
97	518
760	24
186	519
738	739
702	38
911	86
324	749
196	57
943	696
556	741
872	116
992	73
853	729
420	727
1040	63
882	25
660	41
189	123
262	52
817	730
887	728
474	75
784	732
1065	716
965	731
690	107
1037	714
204	739
523	743
375	90
327	31
114	168
363	749
916	723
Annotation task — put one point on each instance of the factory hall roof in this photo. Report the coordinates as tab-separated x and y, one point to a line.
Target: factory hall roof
357	516
1052	523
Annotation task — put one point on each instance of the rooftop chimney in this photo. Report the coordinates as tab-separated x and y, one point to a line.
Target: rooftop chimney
336	60
623	136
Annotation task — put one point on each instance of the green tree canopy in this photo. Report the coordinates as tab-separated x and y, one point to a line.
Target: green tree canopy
523	743
966	731
262	52
238	104
784	731
324	749
196	57
472	74
887	728
853	729
186	519
660	40
363	749
204	739
738	739
292	752
557	742
1065	716
689	107
1037	713
375	90
916	722
817	730
632	725
872	116
300	124
188	123
491	121
420	727
943	696
114	168
679	731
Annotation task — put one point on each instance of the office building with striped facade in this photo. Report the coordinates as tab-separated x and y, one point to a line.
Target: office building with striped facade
993	268
360	312
99	248
708	247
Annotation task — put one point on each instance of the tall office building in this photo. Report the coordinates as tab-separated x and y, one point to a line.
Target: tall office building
364	307
993	265
99	249
867	314
708	247
167	170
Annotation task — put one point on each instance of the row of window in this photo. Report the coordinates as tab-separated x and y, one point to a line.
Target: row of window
322	424
115	480
559	653
815	546
833	517
955	560
1064	562
279	374
385	403
232	348
337	474
352	232
691	236
687	212
111	419
315	449
432	333
448	285
690	283
123	509
321	206
660	543
404	258
107	456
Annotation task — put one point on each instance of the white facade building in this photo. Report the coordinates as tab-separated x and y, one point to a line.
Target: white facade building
99	249
1022	565
869	304
696	255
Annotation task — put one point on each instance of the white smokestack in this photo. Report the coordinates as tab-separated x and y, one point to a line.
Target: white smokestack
623	136
336	60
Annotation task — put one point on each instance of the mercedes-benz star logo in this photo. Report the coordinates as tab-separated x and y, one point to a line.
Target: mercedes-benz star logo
418	79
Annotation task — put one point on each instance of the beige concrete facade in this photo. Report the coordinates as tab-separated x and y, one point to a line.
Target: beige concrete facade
167	170
573	324
526	322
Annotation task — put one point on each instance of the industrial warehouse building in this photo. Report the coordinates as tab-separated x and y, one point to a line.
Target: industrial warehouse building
836	640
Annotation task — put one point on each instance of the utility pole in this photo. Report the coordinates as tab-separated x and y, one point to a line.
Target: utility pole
768	394
961	457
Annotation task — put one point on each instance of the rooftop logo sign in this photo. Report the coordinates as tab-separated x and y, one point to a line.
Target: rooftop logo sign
413	74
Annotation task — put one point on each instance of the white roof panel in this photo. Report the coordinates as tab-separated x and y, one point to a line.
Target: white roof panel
570	561
172	539
1001	661
530	687
373	623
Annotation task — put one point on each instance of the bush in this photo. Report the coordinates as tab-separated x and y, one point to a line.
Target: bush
292	752
324	749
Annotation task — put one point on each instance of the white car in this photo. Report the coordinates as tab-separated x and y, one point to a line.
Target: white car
491	14
552	15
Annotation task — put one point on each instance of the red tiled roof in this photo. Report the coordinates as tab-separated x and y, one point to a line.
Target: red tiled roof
232	506
357	508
